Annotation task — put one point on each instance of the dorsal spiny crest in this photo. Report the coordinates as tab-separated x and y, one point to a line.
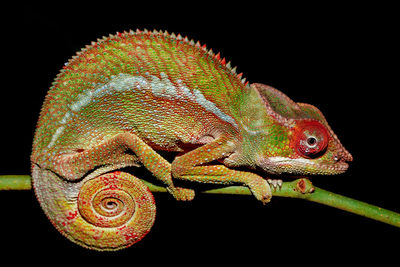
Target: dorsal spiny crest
209	53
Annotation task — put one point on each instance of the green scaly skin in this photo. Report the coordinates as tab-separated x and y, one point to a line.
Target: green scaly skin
126	97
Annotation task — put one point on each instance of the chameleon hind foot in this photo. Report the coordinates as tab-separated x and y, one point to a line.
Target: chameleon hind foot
181	194
260	189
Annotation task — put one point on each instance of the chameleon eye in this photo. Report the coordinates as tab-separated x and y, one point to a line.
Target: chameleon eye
311	139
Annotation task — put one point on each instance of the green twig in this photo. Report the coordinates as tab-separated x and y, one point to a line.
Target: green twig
15	182
300	188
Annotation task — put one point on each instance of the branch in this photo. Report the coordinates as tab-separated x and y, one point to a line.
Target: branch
15	182
300	188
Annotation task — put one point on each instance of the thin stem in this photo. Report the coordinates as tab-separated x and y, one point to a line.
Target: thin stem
354	206
300	188
303	189
15	182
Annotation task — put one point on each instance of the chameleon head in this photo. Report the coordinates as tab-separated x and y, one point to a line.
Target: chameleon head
301	142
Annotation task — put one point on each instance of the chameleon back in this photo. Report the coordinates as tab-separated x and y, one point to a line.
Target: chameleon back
131	81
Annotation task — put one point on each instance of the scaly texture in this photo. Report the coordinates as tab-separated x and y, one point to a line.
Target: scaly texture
126	97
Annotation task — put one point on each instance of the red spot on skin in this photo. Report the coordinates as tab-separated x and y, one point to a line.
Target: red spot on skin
97	234
129	233
111	180
115	174
129	236
141	201
113	186
72	215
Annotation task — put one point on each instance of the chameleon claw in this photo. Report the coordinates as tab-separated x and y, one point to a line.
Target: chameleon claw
275	183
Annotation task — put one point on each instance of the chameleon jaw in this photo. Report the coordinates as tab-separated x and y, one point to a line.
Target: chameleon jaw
301	166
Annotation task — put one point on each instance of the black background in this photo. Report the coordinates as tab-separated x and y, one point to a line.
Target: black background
343	59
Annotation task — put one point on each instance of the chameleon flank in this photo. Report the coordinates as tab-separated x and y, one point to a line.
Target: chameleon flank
123	99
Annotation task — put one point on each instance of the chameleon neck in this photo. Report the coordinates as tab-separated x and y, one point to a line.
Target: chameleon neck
254	123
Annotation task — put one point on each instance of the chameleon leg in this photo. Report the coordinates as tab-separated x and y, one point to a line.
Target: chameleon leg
187	167
114	151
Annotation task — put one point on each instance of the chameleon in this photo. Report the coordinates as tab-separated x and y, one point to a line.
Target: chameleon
129	99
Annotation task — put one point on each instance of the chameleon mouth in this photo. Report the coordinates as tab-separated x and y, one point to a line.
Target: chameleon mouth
301	166
336	168
323	168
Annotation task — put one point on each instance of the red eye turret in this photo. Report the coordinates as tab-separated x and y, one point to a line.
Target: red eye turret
310	139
